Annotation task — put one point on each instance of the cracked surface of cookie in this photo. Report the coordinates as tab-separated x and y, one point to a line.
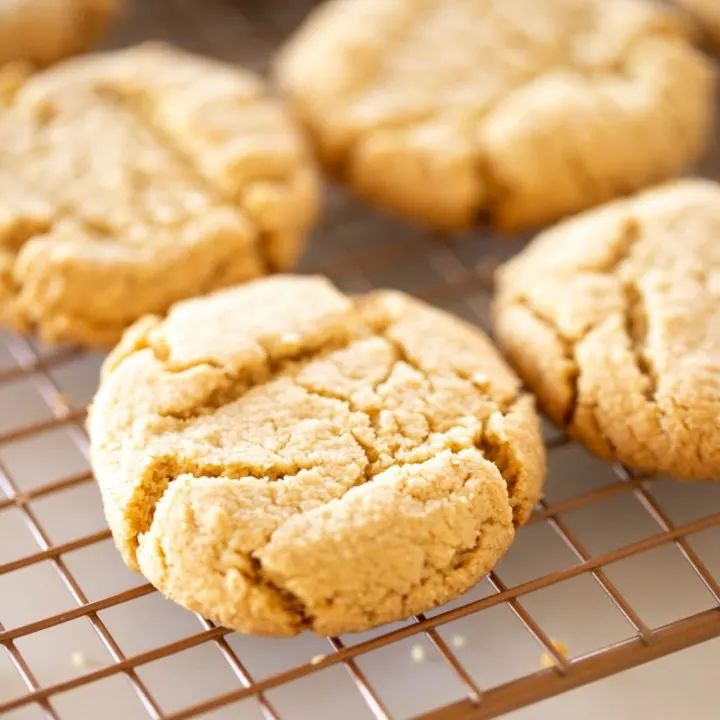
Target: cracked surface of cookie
613	319
41	32
525	111
281	457
134	179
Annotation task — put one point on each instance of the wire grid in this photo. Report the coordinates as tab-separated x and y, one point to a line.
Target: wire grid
360	250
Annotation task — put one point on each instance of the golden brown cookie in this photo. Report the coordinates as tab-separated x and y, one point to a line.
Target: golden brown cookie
133	179
707	13
281	457
613	319
41	32
525	111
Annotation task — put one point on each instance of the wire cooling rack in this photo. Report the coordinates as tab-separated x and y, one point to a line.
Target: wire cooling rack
614	569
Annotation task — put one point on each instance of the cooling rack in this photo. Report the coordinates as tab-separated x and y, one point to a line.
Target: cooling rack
613	571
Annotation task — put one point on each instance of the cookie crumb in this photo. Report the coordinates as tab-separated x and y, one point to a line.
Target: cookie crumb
548	661
81	661
458	641
418	654
78	659
317	659
60	404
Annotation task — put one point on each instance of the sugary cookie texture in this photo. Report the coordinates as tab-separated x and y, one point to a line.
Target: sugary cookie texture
281	457
41	32
520	110
133	179
613	319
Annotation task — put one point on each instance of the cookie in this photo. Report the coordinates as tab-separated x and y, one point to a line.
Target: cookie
280	457
134	179
41	32
518	110
613	319
707	13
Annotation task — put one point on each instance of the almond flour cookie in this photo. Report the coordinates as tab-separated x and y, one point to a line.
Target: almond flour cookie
281	457
708	14
41	32
613	319
443	110
133	179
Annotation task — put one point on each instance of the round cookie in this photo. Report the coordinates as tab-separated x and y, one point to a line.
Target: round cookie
134	179
613	319
708	14
41	32
520	110
281	457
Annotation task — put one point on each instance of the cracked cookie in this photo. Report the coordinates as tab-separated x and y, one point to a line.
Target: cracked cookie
613	319
523	111
708	14
41	32
281	457
137	178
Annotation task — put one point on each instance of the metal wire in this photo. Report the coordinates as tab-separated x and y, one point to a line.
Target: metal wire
355	264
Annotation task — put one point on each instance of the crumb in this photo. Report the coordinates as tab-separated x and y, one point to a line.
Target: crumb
61	403
80	660
458	641
317	659
417	653
548	661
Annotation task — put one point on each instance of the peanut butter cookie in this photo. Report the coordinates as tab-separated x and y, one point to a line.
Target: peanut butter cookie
41	32
281	457
613	319
525	111
133	179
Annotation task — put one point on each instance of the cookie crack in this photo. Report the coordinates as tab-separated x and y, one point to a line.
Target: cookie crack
499	454
568	346
289	368
289	365
630	235
635	320
137	108
636	328
291	601
575	370
17	237
459	560
251	569
12	250
402	355
167	469
300	607
239	381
